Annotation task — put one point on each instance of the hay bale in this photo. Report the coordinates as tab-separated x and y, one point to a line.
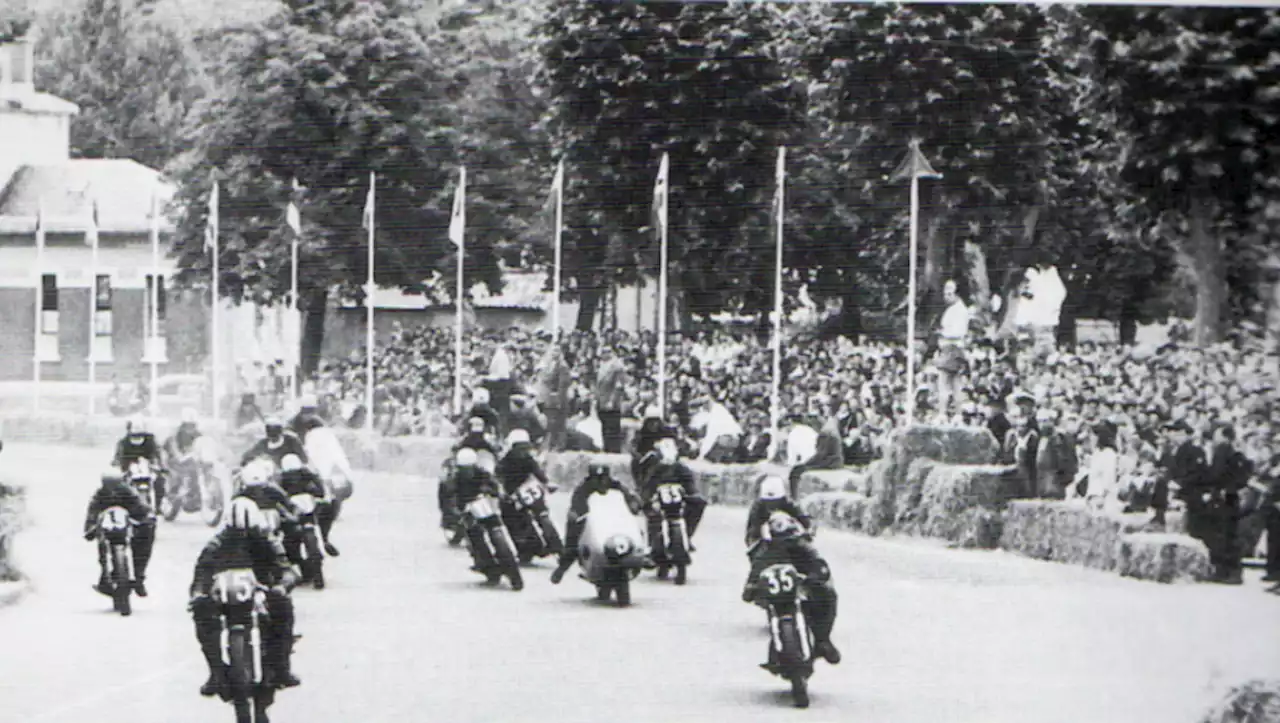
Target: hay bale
1162	557
824	480
961	503
12	514
568	469
840	510
1257	701
1069	531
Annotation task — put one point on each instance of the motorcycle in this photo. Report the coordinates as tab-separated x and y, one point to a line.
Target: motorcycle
781	593
668	517
450	516
484	511
195	487
307	546
613	547
142	477
241	602
529	522
115	533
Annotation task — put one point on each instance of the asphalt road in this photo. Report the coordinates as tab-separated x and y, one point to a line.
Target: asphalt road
406	633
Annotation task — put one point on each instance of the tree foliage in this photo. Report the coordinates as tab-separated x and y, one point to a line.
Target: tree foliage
135	80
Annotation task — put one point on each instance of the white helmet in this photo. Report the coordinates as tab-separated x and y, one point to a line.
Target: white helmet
773	488
480	396
651	412
137	424
290	462
466	457
245	515
518	436
667	449
188	416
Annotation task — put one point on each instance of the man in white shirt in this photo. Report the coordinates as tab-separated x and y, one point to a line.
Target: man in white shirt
721	432
952	337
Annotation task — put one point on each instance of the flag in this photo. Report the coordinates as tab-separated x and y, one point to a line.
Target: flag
915	165
366	221
660	196
458	221
291	214
780	180
211	223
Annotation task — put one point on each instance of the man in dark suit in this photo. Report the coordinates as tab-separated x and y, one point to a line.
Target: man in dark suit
1228	473
1183	463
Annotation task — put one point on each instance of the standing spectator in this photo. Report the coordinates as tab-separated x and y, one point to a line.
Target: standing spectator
952	336
997	420
1228	473
499	384
1271	513
720	431
1056	462
1024	446
555	398
610	395
1102	490
1183	465
524	415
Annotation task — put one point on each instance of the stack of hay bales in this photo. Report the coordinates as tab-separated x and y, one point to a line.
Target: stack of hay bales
840	510
1070	531
1257	701
897	491
962	504
11	516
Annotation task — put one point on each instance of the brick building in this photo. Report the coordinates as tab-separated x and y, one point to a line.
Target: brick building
39	179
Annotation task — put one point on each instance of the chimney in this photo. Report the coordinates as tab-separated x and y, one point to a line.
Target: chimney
17	59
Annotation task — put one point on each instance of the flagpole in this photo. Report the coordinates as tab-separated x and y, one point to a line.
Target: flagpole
153	405
35	350
93	313
294	341
555	293
460	240
664	172
775	401
215	352
368	302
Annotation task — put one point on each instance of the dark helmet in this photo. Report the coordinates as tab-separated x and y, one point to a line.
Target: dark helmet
274	426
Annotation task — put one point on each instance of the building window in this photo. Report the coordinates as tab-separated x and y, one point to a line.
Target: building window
102	322
47	334
156	344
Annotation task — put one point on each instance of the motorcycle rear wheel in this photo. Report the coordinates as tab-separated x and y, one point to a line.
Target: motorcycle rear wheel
501	540
800	691
623	592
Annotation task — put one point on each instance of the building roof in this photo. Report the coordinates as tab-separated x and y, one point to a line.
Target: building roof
67	190
31	101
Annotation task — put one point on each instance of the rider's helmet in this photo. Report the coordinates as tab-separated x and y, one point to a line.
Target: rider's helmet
480	396
188	416
290	463
246	515
773	488
784	527
254	473
112	476
667	450
274	428
466	457
137	425
307	403
475	424
651	412
518	436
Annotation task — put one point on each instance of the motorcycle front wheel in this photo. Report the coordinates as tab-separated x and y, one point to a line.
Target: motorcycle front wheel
240	675
120	565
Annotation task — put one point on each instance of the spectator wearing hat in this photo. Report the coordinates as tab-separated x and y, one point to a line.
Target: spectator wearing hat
1270	477
1183	465
1217	504
997	421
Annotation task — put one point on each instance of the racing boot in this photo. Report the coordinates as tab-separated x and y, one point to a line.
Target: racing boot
562	567
278	673
327	515
208	633
826	650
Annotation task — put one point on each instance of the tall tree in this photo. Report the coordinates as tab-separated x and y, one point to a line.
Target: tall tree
134	79
628	81
1197	92
326	91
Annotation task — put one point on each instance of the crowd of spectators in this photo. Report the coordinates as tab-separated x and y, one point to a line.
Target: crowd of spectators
1101	422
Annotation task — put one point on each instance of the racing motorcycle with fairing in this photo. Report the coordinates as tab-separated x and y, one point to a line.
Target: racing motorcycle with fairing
529	521
115	535
669	507
485	511
780	591
194	486
241	603
613	547
142	477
